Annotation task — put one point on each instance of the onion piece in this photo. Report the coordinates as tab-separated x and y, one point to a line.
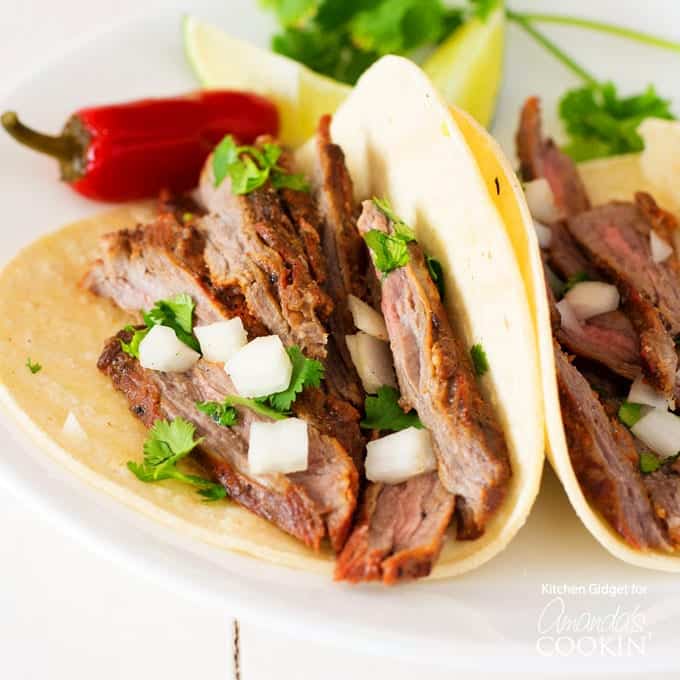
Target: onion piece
281	446
162	350
221	340
567	316
641	392
73	429
366	318
260	368
543	233
397	457
661	250
541	201
660	430
591	298
373	361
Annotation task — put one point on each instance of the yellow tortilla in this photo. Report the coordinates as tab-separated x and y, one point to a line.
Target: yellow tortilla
606	179
434	183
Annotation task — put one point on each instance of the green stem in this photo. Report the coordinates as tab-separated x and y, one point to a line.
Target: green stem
600	26
523	21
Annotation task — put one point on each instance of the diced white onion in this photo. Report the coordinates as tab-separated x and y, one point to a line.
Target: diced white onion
373	361
569	320
221	340
400	456
366	318
260	368
641	392
591	298
281	446
541	201
162	350
543	233
661	250
660	430
73	429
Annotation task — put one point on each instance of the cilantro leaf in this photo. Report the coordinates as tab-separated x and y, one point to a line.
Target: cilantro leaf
601	123
132	347
306	373
249	167
649	463
390	251
167	444
400	227
257	405
221	413
384	413
176	313
437	274
479	359
33	366
630	413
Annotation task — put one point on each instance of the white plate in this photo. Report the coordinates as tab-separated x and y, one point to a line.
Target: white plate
489	618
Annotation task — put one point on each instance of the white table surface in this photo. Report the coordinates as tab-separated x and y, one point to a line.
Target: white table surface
68	613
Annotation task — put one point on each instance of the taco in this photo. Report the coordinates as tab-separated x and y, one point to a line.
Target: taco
598	246
260	372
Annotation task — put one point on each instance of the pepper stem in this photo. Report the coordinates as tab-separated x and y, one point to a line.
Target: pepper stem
63	147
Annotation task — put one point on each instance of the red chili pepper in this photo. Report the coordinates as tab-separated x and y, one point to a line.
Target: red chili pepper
130	151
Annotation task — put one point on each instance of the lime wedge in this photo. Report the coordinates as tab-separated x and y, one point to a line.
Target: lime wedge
301	95
467	67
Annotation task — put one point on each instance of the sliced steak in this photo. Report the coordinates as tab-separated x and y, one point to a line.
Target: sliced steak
564	255
604	459
540	157
400	532
663	487
436	378
250	239
306	504
164	258
616	238
610	339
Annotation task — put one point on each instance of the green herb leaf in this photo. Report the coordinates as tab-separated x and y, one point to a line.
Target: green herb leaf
291	12
176	313
33	366
630	413
401	229
306	373
479	360
167	444
249	167
649	463
437	274
573	280
257	405
384	413
600	123
390	251
214	492
222	414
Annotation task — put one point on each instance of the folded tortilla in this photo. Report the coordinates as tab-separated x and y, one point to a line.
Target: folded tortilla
401	142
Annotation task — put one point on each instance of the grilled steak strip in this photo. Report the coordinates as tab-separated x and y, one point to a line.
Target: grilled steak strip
164	258
540	157
400	532
616	238
436	378
663	487
604	459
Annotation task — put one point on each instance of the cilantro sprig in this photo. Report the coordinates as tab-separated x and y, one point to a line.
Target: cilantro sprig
249	167
384	413
390	251
176	313
33	366
341	39
167	444
306	373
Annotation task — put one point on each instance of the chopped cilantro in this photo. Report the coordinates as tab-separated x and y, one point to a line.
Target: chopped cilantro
573	280
437	274
600	123
479	360
384	413
649	463
221	413
390	251
630	413
176	313
249	167
167	444
33	366
257	405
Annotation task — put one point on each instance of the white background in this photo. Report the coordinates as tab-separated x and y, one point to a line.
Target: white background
67	613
